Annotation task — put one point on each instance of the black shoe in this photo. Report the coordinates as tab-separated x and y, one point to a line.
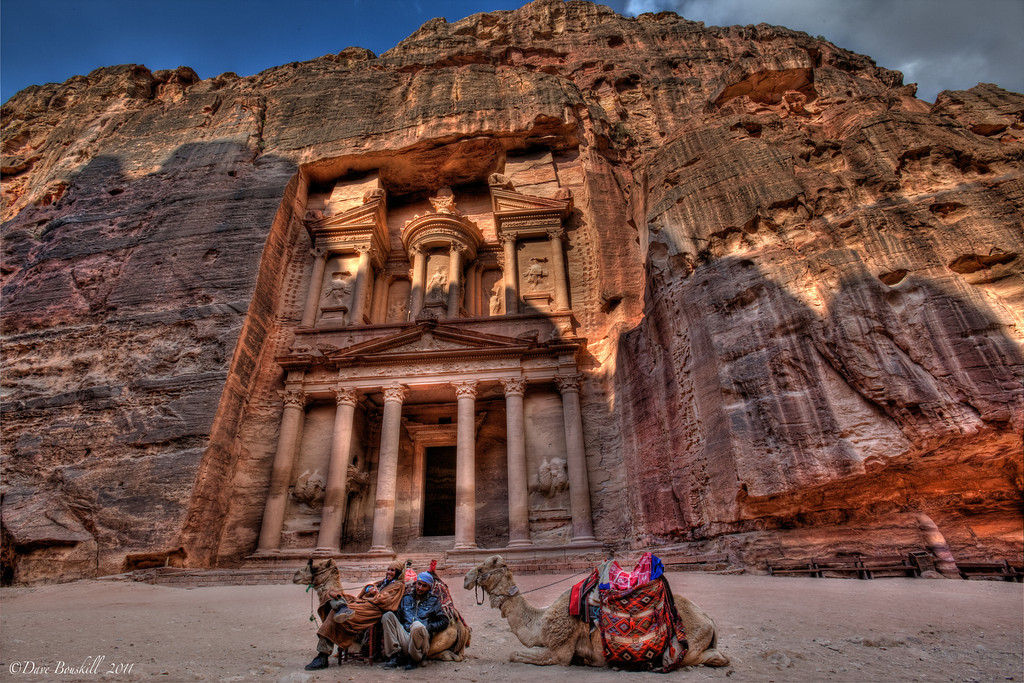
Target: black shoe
392	663
410	665
321	662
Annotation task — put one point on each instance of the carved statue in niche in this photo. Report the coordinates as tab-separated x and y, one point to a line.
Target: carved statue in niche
536	272
396	313
553	476
496	295
436	286
337	293
309	488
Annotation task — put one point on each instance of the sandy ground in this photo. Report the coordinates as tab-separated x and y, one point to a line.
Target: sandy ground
773	629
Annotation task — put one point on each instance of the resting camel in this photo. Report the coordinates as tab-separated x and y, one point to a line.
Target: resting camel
323	575
556	637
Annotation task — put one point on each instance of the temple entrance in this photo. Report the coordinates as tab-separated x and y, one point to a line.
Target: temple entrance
439	494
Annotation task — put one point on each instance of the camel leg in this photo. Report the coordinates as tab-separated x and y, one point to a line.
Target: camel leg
542	656
701	634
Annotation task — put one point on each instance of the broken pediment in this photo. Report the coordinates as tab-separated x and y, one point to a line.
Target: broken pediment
506	201
359	224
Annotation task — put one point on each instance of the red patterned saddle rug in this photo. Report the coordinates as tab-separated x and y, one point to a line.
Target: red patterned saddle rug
640	627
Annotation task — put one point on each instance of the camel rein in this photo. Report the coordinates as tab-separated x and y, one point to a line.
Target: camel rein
478	588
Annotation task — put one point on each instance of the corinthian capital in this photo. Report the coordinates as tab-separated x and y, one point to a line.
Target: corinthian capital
465	388
514	386
395	393
294	398
508	238
569	383
345	396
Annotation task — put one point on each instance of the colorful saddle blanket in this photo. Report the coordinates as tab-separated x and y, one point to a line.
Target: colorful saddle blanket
640	628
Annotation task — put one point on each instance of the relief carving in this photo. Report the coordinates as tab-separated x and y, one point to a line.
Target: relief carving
338	292
536	272
309	488
497	297
437	286
553	476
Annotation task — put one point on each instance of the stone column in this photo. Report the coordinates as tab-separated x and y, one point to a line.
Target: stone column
281	471
387	470
379	309
419	282
454	279
579	484
419	484
471	290
335	498
510	273
316	281
362	284
483	299
518	500
558	268
465	466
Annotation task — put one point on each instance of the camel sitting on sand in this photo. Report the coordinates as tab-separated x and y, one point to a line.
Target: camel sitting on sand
556	637
448	645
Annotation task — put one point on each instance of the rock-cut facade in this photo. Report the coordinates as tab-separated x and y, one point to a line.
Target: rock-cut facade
551	281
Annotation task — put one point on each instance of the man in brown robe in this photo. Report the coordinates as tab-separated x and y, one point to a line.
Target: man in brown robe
343	624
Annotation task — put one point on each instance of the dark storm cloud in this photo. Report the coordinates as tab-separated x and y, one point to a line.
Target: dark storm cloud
938	44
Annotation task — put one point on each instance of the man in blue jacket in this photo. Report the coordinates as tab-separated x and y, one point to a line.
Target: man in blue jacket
407	631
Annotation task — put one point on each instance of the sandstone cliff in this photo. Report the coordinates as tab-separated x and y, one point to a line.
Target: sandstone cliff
803	293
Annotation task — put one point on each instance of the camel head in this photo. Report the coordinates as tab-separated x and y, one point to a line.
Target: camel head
494	576
315	573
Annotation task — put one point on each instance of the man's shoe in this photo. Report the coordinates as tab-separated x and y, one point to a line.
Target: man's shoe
320	662
410	665
392	663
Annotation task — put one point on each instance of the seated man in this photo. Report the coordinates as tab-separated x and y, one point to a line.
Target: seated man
407	633
345	620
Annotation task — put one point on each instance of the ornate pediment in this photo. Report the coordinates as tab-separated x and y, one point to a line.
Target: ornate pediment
365	223
525	215
510	201
429	341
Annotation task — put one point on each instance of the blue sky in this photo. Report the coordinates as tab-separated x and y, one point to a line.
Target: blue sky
941	44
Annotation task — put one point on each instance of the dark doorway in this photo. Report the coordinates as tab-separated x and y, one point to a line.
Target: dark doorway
439	494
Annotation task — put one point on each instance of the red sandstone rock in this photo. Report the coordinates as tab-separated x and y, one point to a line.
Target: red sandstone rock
800	286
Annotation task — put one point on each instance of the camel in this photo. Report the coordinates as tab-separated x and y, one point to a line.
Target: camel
446	646
556	637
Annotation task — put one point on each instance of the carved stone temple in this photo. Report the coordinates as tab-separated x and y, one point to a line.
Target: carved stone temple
432	384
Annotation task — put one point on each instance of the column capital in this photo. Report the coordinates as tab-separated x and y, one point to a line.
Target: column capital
569	383
345	396
508	237
395	393
556	233
457	248
318	251
415	250
363	249
294	398
514	386
465	388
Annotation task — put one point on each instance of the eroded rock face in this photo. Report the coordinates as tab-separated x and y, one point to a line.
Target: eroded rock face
801	286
